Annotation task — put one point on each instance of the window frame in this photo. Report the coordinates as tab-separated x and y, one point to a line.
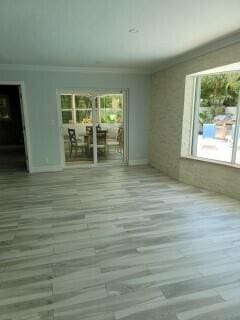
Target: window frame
74	109
194	121
236	134
64	109
104	110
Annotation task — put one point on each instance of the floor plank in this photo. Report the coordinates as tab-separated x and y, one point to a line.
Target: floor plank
116	243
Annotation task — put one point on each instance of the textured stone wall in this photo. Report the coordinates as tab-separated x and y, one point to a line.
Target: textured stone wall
167	122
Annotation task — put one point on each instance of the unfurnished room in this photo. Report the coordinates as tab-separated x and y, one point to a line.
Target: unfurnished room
119	160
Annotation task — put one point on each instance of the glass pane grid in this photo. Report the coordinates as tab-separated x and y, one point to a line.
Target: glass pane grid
66	101
79	143
217	117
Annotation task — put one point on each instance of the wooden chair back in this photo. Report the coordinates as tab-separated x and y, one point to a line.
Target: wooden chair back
72	137
102	137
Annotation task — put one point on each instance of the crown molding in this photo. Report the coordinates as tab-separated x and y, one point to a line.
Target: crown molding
209	47
28	67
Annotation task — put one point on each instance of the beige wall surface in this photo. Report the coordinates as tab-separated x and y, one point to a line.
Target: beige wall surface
167	121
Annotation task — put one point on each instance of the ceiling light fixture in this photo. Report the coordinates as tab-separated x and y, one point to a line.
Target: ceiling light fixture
133	30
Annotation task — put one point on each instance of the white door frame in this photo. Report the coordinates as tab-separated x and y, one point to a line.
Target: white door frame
25	120
94	93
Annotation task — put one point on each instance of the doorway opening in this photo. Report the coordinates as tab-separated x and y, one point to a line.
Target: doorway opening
12	140
93	127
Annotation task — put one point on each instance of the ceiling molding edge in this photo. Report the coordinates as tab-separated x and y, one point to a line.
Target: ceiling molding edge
111	70
189	55
209	47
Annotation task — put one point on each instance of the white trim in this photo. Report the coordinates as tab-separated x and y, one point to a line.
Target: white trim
211	46
139	162
60	128
94	130
233	67
46	169
28	67
126	144
195	117
210	161
92	91
236	133
73	109
25	120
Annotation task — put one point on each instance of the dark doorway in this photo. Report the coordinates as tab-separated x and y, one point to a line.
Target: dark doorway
12	149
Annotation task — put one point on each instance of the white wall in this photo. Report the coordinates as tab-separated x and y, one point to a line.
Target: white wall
167	122
41	87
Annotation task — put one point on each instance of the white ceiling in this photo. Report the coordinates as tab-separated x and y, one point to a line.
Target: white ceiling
95	33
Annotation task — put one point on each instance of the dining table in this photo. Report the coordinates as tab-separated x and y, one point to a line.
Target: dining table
86	137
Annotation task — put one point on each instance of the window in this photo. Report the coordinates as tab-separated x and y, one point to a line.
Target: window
216	117
66	106
77	109
83	109
110	110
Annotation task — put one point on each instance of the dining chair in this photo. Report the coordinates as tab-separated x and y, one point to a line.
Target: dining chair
75	144
113	141
101	142
120	139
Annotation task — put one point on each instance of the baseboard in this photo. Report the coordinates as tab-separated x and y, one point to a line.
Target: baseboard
45	169
138	162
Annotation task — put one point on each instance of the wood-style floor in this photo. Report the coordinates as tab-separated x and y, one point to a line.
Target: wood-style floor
116	243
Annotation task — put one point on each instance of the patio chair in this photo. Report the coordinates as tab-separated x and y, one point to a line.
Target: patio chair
209	132
74	143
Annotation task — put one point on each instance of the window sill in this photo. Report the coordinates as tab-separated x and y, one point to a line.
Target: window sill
217	162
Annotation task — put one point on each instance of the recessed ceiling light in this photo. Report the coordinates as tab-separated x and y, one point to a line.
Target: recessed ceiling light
133	30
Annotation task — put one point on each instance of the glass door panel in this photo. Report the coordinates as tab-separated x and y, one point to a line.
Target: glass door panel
110	128
77	122
93	128
238	145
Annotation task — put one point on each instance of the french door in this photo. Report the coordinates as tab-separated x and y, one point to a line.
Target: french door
93	128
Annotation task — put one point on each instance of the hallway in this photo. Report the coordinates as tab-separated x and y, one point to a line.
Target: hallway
12	158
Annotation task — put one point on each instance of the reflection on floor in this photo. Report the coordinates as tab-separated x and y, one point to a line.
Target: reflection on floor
112	156
116	243
12	157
